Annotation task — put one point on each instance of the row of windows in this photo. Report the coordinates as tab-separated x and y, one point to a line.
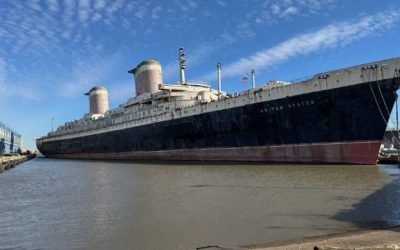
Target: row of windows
6	147
7	135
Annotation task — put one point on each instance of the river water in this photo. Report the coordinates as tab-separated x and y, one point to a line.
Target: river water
71	204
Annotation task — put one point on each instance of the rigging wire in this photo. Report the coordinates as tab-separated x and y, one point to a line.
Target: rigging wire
375	74
375	77
376	100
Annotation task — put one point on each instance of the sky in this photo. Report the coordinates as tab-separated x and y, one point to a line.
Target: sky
54	51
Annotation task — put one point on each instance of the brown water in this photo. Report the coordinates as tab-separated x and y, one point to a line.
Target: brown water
67	204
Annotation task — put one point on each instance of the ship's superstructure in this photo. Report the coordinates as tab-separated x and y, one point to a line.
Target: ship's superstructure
334	117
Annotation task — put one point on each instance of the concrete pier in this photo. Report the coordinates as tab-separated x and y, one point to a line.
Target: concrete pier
10	161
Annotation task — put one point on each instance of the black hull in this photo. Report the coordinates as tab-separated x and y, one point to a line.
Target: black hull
345	115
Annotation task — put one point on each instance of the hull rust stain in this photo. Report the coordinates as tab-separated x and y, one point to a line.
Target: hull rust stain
351	153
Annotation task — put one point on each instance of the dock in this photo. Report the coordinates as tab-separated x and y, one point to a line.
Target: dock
392	160
10	161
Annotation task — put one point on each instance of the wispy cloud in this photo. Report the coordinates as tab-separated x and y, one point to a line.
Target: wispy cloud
84	76
155	13
53	5
120	92
2	70
221	3
80	83
40	27
99	4
334	35
84	11
275	10
188	5
43	27
272	12
199	54
86	73
18	90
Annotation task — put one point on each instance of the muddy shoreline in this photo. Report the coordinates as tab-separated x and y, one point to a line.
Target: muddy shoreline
388	238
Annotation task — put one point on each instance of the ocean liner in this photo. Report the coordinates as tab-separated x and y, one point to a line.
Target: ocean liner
338	116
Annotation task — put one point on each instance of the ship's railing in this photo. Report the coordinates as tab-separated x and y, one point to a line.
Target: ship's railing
84	125
196	82
294	81
301	79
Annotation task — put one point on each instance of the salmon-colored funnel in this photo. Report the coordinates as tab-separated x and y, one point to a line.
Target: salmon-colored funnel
148	75
98	100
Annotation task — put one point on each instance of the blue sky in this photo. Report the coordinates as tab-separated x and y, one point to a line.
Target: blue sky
53	51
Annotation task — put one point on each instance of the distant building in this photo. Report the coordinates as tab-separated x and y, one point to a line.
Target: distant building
10	141
391	139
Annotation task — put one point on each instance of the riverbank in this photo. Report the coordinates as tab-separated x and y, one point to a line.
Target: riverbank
363	239
10	161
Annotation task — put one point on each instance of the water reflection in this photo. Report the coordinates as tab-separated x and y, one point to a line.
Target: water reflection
379	209
64	204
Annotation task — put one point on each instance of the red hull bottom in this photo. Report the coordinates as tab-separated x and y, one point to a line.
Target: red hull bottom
360	152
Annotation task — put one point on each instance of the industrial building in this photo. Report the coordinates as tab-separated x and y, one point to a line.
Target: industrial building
10	141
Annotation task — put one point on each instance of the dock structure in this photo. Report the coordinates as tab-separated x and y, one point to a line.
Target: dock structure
10	161
389	152
10	141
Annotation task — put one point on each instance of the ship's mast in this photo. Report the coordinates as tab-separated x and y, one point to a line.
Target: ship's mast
182	66
253	79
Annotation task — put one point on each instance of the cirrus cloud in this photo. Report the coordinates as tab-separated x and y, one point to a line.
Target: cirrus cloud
330	36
